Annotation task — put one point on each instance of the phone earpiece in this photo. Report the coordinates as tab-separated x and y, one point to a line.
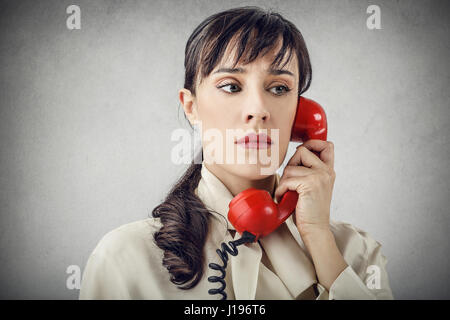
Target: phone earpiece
310	121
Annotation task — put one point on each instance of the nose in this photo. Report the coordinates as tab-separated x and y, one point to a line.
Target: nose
263	115
256	111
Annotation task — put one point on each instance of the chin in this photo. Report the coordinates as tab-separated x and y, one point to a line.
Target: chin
252	171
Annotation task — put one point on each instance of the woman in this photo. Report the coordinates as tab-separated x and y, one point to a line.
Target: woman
228	85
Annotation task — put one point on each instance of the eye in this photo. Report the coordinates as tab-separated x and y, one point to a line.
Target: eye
286	89
232	85
233	89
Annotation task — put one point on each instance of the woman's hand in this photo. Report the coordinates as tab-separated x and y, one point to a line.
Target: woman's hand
313	179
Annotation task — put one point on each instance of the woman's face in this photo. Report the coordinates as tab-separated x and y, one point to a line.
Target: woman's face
246	100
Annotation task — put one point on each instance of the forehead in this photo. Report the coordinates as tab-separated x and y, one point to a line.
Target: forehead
231	53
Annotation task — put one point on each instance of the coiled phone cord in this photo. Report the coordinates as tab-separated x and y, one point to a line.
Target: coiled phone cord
246	238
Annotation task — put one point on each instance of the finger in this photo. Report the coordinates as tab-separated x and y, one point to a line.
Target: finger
324	148
296	171
297	184
304	157
293	171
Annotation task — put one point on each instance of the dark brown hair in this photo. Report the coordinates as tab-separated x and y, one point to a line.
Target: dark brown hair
183	215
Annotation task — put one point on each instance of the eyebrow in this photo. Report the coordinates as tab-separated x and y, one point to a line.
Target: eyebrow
274	72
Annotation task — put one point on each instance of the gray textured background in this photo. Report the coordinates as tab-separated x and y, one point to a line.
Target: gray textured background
87	115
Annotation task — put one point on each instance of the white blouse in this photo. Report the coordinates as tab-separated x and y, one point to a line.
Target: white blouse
127	264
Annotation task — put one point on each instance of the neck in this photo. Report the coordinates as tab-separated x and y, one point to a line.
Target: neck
236	184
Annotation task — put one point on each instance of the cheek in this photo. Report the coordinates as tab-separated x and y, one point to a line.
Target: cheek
284	122
284	138
214	109
215	123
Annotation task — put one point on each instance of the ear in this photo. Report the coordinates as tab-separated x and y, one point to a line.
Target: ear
187	100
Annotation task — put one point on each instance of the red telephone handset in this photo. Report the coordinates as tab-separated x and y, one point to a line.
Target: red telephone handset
253	210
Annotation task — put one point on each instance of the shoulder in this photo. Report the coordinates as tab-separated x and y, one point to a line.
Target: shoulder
355	244
350	237
126	263
134	238
348	231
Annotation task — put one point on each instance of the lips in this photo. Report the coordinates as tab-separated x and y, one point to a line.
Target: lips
253	138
